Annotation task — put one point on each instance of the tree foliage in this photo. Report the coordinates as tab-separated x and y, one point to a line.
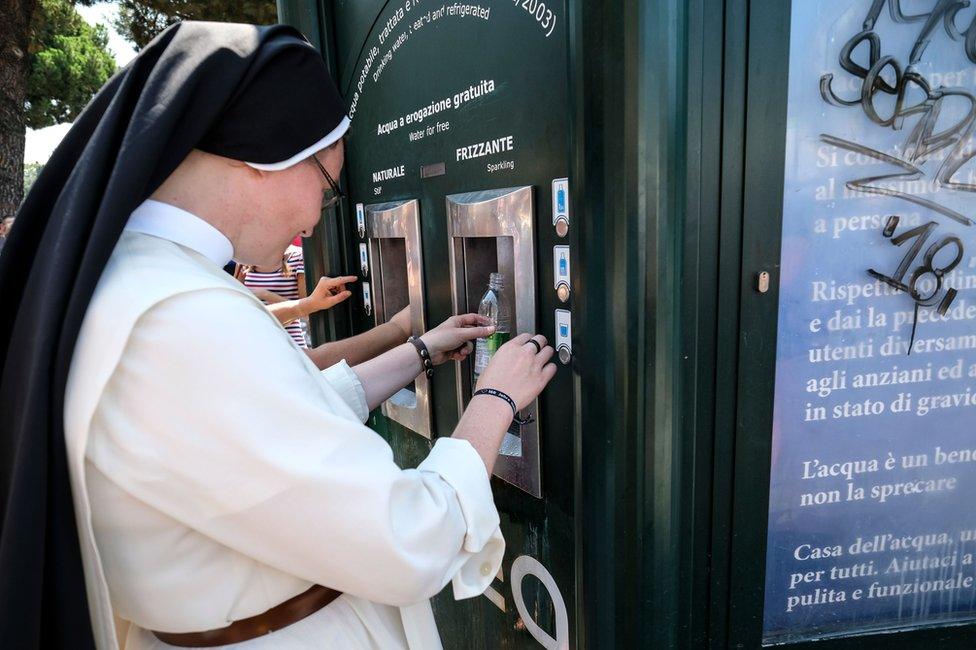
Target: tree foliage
70	61
31	172
140	20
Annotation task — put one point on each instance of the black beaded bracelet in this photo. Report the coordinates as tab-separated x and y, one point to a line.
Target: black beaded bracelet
516	418
424	355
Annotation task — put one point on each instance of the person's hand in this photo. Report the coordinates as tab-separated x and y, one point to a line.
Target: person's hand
520	369
328	293
452	339
402	320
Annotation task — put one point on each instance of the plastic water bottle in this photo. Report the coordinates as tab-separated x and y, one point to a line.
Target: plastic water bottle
494	307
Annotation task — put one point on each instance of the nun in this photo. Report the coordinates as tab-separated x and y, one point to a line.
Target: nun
174	470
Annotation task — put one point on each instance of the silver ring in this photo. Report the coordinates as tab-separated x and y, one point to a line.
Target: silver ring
538	348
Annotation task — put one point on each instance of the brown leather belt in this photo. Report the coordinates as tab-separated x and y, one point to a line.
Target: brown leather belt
276	618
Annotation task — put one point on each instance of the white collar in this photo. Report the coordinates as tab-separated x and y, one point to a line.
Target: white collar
181	227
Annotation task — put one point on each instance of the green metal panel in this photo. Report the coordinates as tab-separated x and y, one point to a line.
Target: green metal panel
670	342
647	87
702	369
730	172
634	122
610	312
766	65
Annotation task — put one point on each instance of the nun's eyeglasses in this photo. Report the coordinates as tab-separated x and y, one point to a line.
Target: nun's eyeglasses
334	194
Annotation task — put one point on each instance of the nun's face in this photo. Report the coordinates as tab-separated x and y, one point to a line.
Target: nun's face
294	204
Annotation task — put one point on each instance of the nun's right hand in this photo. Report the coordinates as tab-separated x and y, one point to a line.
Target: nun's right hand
520	369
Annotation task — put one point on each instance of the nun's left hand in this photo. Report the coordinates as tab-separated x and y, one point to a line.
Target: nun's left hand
453	339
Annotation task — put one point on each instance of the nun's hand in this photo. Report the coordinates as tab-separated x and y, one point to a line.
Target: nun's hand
520	368
328	293
453	339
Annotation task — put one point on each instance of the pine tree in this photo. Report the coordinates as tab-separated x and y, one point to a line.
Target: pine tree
51	64
140	20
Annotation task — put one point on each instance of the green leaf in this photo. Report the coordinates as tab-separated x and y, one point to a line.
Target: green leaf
31	172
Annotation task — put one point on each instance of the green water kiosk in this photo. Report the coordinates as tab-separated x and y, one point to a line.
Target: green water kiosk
746	228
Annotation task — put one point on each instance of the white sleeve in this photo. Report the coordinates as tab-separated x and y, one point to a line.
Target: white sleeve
213	418
457	463
346	383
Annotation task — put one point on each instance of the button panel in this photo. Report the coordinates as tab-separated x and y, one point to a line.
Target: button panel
560	206
364	260
361	220
367	299
564	335
560	272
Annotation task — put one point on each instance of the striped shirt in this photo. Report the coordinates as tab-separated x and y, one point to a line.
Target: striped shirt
284	284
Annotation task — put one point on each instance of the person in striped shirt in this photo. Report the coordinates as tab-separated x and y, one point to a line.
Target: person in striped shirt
284	293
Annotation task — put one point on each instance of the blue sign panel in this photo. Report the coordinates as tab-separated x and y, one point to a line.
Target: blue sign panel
872	506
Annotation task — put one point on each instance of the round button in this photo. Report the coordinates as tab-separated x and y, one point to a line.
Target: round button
486	569
562	292
565	355
562	226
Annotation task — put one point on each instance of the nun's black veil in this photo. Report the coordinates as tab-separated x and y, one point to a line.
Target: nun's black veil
197	85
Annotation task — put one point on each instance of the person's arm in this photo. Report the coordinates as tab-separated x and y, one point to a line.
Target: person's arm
266	296
363	347
287	311
358	349
328	293
384	375
520	369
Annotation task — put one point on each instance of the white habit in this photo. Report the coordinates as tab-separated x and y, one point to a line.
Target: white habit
217	472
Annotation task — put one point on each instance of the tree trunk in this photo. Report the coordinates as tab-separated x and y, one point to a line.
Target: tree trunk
14	42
